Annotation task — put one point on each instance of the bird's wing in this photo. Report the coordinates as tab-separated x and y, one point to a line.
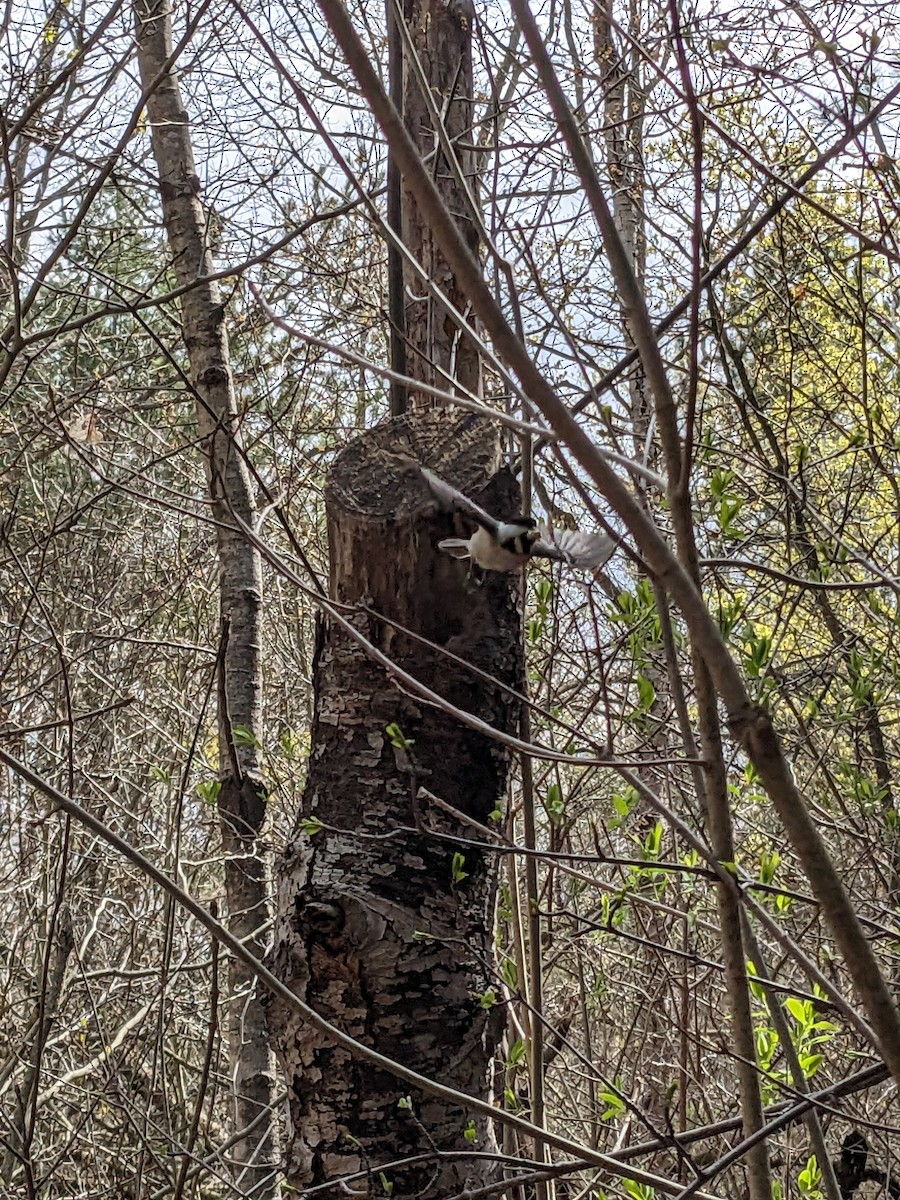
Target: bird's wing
458	547
449	499
589	550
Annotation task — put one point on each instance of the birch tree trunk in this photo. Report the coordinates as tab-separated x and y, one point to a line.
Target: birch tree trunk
242	795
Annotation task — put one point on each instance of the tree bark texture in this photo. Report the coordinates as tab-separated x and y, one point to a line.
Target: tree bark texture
378	926
242	797
440	33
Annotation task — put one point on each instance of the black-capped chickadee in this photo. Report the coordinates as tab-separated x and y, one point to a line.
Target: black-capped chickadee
507	545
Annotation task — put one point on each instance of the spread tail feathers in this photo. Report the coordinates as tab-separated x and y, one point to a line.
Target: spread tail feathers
458	547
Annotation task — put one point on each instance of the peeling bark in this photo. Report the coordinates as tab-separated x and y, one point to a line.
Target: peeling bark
372	928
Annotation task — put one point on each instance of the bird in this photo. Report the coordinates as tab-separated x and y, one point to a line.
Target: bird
508	544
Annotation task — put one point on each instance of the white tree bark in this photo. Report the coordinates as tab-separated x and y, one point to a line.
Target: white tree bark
242	798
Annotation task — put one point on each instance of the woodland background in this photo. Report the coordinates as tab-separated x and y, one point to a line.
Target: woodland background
749	154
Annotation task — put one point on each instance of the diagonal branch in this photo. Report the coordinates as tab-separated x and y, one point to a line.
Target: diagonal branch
749	724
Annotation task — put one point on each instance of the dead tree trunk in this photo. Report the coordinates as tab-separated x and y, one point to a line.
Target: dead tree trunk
242	795
384	923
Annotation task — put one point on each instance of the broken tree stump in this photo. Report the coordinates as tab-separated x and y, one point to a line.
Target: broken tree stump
384	916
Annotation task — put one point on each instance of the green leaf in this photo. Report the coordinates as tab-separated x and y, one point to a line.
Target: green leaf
458	867
623	802
543	591
646	693
517	1053
810	1177
758	652
292	745
615	1106
800	1010
397	738
311	826
768	865
766	1041
510	974
756	988
811	1063
652	843
244	737
638	1191
720	482
728	510
554	805
208	790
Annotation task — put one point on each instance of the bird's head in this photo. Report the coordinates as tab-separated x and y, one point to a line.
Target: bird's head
522	529
528	526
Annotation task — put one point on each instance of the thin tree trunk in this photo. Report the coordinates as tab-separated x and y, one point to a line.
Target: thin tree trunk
437	76
624	111
679	455
396	290
242	796
623	123
623	132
